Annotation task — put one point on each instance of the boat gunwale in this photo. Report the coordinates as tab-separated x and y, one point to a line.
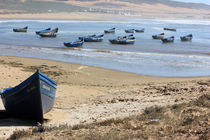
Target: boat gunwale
19	87
48	79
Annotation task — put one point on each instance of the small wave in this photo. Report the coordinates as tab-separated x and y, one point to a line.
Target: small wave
131	55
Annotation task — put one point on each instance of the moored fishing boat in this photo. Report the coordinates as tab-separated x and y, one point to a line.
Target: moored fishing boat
168	40
112	30
186	38
44	30
20	29
47	34
30	99
170	29
54	30
97	38
123	41
124	37
158	36
83	37
139	30
130	31
78	43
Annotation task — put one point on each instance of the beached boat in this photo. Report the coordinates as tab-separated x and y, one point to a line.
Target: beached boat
98	38
168	40
159	36
170	29
47	34
123	41
130	31
30	99
45	30
139	30
112	30
20	29
78	43
186	38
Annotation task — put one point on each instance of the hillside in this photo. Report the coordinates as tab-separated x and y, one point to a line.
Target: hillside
140	8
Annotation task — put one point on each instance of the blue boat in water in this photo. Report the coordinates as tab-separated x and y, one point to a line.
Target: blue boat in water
47	34
112	30
168	40
186	38
93	38
130	31
78	43
45	30
123	40
30	99
24	29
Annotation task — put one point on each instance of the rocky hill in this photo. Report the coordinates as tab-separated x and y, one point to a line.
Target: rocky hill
141	8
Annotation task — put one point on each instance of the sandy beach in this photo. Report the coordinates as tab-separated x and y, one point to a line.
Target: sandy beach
88	94
96	103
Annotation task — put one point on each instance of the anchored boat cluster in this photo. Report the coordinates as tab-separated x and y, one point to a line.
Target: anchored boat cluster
128	39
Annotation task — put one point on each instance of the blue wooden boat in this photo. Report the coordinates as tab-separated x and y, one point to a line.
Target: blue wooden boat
186	38
47	34
30	99
170	29
168	40
123	41
20	29
139	30
159	36
83	37
78	43
130	31
112	30
97	38
54	30
45	30
124	37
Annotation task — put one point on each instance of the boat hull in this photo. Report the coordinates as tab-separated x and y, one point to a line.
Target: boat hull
168	40
69	44
93	39
31	99
139	31
48	35
129	31
170	29
42	31
121	42
109	32
186	38
19	30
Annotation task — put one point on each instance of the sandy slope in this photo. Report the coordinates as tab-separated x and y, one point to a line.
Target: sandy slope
111	10
87	94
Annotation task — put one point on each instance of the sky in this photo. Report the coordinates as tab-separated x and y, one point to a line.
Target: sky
196	1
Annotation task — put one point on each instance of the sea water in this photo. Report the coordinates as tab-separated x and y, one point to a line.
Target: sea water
146	56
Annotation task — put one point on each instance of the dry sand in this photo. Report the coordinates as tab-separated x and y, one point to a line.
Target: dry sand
88	94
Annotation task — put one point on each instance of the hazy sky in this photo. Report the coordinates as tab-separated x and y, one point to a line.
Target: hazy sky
196	1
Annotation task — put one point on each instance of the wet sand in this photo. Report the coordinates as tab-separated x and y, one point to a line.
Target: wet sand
88	94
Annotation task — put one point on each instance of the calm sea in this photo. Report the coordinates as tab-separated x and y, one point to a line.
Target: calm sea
146	56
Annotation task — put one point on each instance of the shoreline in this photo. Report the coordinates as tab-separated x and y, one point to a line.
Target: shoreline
86	94
100	16
108	69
